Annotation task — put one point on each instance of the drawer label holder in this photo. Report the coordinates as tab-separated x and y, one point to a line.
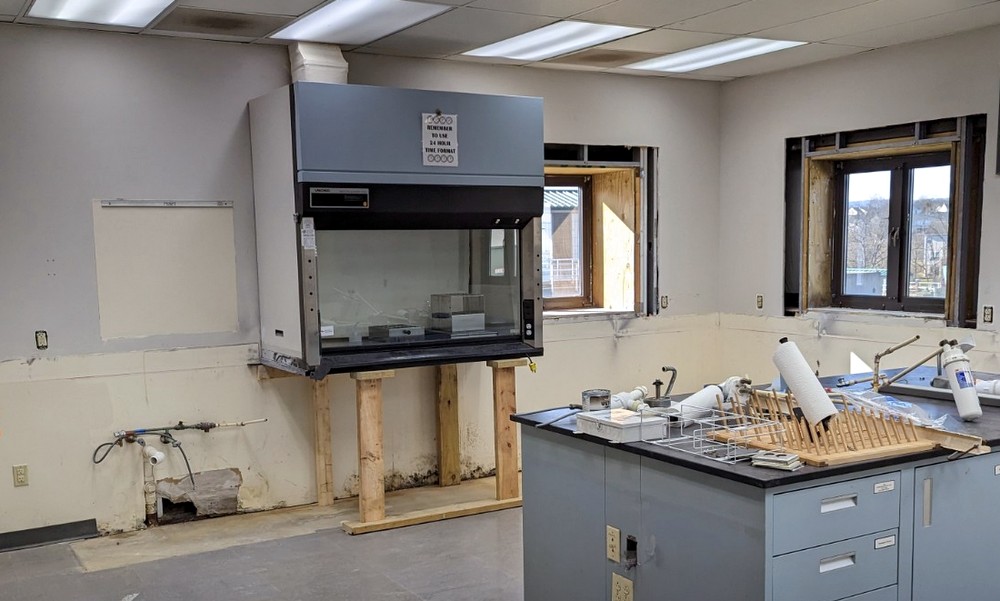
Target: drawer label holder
885	542
881	487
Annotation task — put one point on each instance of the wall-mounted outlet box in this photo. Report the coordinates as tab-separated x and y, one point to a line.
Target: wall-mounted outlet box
621	588
20	475
614	544
987	313
760	301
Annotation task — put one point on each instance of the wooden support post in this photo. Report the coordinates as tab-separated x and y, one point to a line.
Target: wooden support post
371	469
504	433
449	459
323	446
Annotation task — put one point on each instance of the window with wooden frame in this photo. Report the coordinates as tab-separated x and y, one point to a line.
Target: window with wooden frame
567	238
887	219
593	229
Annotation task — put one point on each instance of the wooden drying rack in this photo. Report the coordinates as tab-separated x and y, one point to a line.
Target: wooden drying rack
769	421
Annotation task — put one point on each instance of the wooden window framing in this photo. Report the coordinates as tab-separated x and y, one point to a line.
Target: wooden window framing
586	298
812	196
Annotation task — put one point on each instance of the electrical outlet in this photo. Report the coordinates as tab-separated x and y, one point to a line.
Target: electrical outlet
20	475
664	302
987	313
614	544
760	301
621	588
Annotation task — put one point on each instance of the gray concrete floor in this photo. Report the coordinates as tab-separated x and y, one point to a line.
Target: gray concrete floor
475	558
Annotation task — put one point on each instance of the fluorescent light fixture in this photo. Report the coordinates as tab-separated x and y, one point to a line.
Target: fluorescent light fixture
553	40
127	13
713	54
356	22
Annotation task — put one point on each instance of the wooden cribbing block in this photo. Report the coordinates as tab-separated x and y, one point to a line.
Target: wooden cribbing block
504	433
266	372
371	469
449	458
323	446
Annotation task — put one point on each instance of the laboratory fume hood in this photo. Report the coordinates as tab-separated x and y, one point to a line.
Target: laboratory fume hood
395	227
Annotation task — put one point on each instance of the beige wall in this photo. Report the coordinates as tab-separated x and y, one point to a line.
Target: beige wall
947	77
91	116
98	115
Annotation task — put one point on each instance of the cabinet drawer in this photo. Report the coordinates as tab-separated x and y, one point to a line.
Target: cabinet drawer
888	593
837	570
824	514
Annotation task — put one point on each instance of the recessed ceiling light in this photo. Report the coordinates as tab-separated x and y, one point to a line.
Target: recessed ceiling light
713	54
357	22
127	13
553	40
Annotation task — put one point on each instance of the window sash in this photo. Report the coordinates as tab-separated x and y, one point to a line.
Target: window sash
897	296
586	298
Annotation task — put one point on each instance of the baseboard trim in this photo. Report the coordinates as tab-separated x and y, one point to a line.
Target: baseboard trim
33	537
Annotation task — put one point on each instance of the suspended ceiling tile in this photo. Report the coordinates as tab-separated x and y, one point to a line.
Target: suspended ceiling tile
292	8
448	2
925	29
601	58
457	31
875	15
698	76
10	7
567	67
783	59
545	8
762	14
488	60
214	23
664	41
653	13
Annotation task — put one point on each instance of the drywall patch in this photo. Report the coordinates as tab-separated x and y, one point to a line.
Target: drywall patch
165	270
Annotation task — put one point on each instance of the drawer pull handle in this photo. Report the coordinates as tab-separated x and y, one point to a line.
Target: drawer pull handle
928	493
836	562
838	503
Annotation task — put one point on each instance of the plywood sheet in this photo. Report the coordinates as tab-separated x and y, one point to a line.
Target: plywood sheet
165	270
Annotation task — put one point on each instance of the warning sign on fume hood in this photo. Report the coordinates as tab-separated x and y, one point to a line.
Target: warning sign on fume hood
440	140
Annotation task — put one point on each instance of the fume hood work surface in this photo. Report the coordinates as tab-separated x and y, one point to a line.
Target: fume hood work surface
395	227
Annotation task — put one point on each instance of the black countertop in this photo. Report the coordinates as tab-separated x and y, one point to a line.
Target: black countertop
987	427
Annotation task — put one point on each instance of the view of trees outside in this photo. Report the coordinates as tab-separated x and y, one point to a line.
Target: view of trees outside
930	210
867	243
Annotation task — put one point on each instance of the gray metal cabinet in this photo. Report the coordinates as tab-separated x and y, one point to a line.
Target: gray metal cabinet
562	483
696	528
870	536
622	510
956	526
838	540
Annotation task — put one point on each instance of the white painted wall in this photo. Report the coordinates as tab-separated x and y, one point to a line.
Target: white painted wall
947	77
97	115
88	115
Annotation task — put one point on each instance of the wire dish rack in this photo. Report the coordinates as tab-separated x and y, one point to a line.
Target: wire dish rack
698	431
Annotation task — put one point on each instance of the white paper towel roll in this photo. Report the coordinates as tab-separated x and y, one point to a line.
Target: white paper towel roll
794	369
699	404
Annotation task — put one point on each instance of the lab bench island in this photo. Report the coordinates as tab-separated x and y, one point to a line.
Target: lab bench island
637	521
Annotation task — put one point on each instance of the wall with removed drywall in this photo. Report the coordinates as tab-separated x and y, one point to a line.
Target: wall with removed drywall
91	115
947	77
